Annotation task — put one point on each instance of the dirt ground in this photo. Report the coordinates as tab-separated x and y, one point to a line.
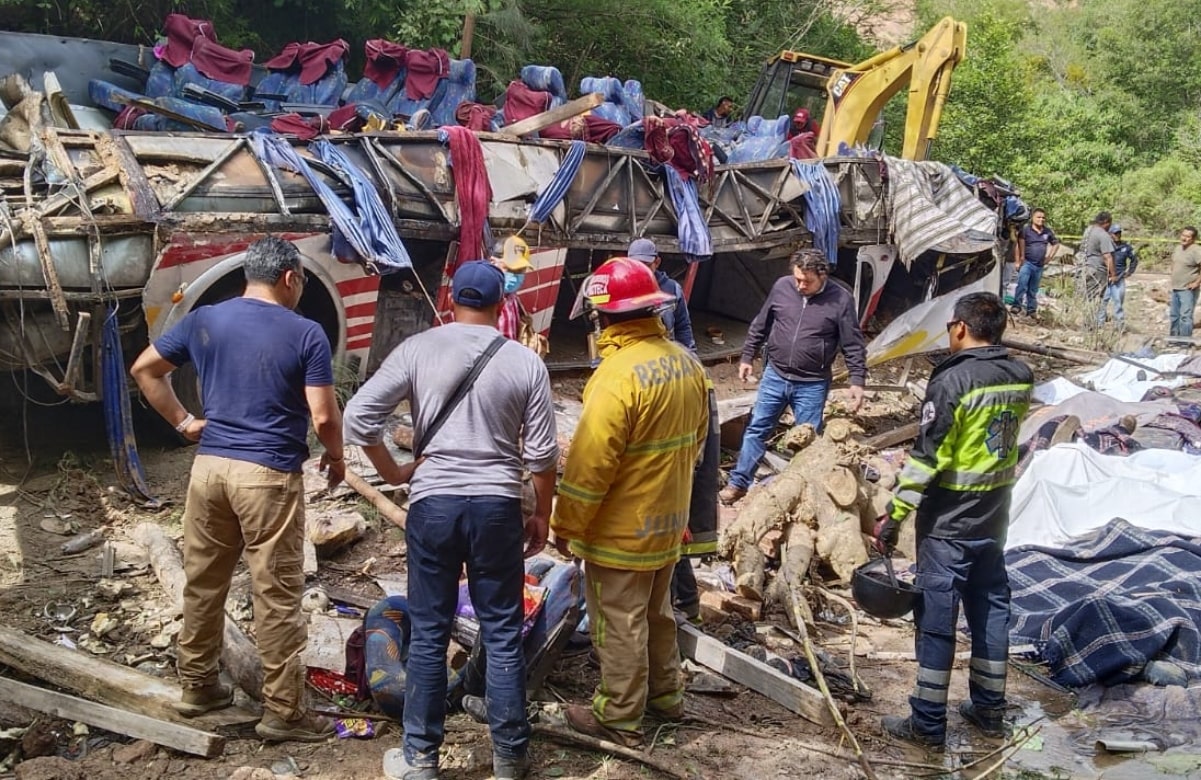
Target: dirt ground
58	478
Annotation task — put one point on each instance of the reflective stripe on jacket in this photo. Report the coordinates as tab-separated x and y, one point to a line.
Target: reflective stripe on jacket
960	473
624	497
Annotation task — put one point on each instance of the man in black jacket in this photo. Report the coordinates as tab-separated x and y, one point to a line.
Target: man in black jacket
805	320
958	480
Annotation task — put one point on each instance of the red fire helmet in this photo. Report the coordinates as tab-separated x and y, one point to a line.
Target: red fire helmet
623	284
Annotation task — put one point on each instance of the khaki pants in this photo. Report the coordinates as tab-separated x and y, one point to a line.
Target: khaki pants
235	506
634	633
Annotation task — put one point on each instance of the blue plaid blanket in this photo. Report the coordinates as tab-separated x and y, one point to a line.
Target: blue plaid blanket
1101	609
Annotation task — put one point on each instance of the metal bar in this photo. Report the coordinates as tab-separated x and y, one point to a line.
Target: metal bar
50	273
746	212
141	195
74	297
631	212
211	168
596	194
276	191
71	375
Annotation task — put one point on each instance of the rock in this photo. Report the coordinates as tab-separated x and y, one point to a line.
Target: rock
330	531
314	600
134	752
114	590
102	624
39	740
49	768
251	773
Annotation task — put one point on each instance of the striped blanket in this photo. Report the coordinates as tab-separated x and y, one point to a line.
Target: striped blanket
1113	601
931	208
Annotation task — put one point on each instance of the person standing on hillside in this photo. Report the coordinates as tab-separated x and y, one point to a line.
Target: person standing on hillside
957	482
1099	271
804	322
476	422
624	500
264	370
1034	241
1125	260
1186	278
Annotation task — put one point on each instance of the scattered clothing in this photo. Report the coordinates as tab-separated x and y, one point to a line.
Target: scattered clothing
932	209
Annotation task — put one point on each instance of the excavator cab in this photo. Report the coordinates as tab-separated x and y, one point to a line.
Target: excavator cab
789	81
849	99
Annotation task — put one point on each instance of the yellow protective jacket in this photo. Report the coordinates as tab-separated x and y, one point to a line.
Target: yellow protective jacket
623	500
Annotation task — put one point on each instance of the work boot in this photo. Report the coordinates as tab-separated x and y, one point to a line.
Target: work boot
306	728
670	714
397	767
902	729
475	707
504	768
583	720
197	701
990	722
730	493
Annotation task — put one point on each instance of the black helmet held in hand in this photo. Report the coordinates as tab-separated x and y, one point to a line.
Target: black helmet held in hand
879	593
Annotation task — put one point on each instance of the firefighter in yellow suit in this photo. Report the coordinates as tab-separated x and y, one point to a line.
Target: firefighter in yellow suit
623	502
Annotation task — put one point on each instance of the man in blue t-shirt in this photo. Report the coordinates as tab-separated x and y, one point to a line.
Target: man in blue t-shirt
1125	260
264	370
1034	242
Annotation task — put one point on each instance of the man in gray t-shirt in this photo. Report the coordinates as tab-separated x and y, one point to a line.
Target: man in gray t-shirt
465	509
1098	247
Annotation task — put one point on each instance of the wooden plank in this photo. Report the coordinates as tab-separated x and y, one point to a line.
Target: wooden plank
106	682
756	675
555	115
60	705
892	438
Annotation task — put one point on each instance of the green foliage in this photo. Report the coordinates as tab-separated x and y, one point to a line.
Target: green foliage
1162	197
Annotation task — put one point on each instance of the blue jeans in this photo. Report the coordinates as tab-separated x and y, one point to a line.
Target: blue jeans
1116	292
1181	313
808	401
951	571
1030	276
443	534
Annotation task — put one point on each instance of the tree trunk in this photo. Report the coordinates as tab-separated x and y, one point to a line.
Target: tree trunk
748	570
240	655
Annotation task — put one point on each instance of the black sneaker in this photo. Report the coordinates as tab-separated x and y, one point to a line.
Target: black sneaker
990	722
504	768
902	729
476	708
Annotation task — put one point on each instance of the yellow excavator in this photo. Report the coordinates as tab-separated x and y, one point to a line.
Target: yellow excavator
850	97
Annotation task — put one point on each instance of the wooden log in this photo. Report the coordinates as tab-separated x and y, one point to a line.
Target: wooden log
756	675
239	654
60	705
892	438
842	486
106	682
748	572
391	512
839	539
555	115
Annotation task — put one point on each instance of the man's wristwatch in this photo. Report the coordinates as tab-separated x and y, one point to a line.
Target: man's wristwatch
185	422
332	459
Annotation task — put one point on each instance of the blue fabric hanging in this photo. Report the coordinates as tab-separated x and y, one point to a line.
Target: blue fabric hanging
357	237
118	422
554	192
388	250
691	227
823	205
